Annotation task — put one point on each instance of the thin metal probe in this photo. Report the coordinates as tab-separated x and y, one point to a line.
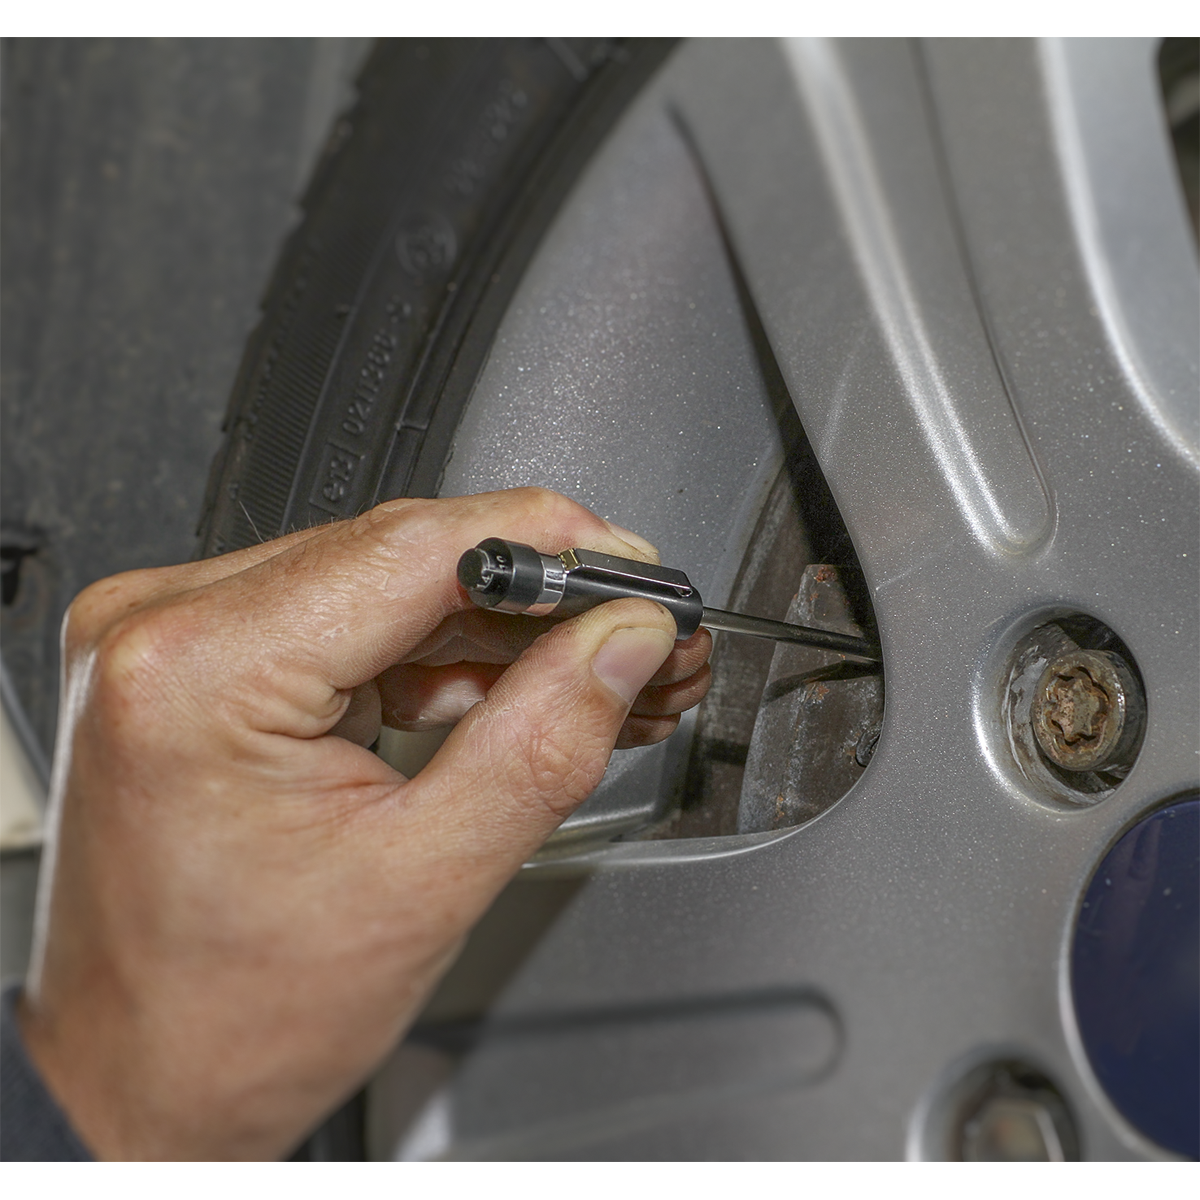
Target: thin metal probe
513	577
781	631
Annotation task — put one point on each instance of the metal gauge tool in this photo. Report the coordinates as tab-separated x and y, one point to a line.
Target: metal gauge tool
511	577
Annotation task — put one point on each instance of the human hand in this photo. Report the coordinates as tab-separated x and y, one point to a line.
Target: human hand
247	908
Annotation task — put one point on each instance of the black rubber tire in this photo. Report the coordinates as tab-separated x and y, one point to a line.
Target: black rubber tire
424	210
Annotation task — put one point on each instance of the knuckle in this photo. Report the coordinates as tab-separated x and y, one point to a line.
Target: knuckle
383	518
97	607
555	512
135	655
389	509
542	500
374	529
402	532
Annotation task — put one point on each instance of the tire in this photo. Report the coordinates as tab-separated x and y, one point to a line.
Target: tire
429	198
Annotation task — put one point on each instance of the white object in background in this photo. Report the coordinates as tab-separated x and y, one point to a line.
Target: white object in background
22	796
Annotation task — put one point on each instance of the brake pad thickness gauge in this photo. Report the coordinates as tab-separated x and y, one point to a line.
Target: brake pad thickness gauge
514	578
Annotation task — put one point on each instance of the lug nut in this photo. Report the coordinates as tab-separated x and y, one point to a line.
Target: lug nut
1012	1129
1088	712
1010	1112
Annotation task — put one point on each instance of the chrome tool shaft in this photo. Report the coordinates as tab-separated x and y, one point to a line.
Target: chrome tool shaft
781	631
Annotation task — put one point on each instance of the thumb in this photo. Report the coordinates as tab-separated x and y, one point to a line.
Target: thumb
527	756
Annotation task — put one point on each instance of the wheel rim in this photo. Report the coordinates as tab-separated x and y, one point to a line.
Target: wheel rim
948	322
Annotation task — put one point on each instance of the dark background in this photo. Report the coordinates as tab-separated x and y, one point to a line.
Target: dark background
145	189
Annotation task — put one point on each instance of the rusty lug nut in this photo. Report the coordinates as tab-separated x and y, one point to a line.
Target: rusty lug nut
1088	712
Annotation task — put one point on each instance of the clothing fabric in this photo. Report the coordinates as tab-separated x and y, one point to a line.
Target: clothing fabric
32	1126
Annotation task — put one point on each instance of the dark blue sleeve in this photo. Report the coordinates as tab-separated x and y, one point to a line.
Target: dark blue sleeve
32	1126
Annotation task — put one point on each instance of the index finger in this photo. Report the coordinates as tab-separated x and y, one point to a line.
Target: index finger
357	597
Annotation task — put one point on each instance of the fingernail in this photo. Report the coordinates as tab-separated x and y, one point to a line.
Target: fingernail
632	539
630	657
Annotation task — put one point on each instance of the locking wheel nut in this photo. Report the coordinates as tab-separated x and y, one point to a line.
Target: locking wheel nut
1088	712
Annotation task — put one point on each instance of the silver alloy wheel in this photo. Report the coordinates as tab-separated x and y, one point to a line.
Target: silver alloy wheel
974	270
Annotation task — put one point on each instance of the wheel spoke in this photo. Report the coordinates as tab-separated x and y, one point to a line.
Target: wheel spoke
888	361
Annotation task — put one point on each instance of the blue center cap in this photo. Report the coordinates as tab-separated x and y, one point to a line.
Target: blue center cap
1135	976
